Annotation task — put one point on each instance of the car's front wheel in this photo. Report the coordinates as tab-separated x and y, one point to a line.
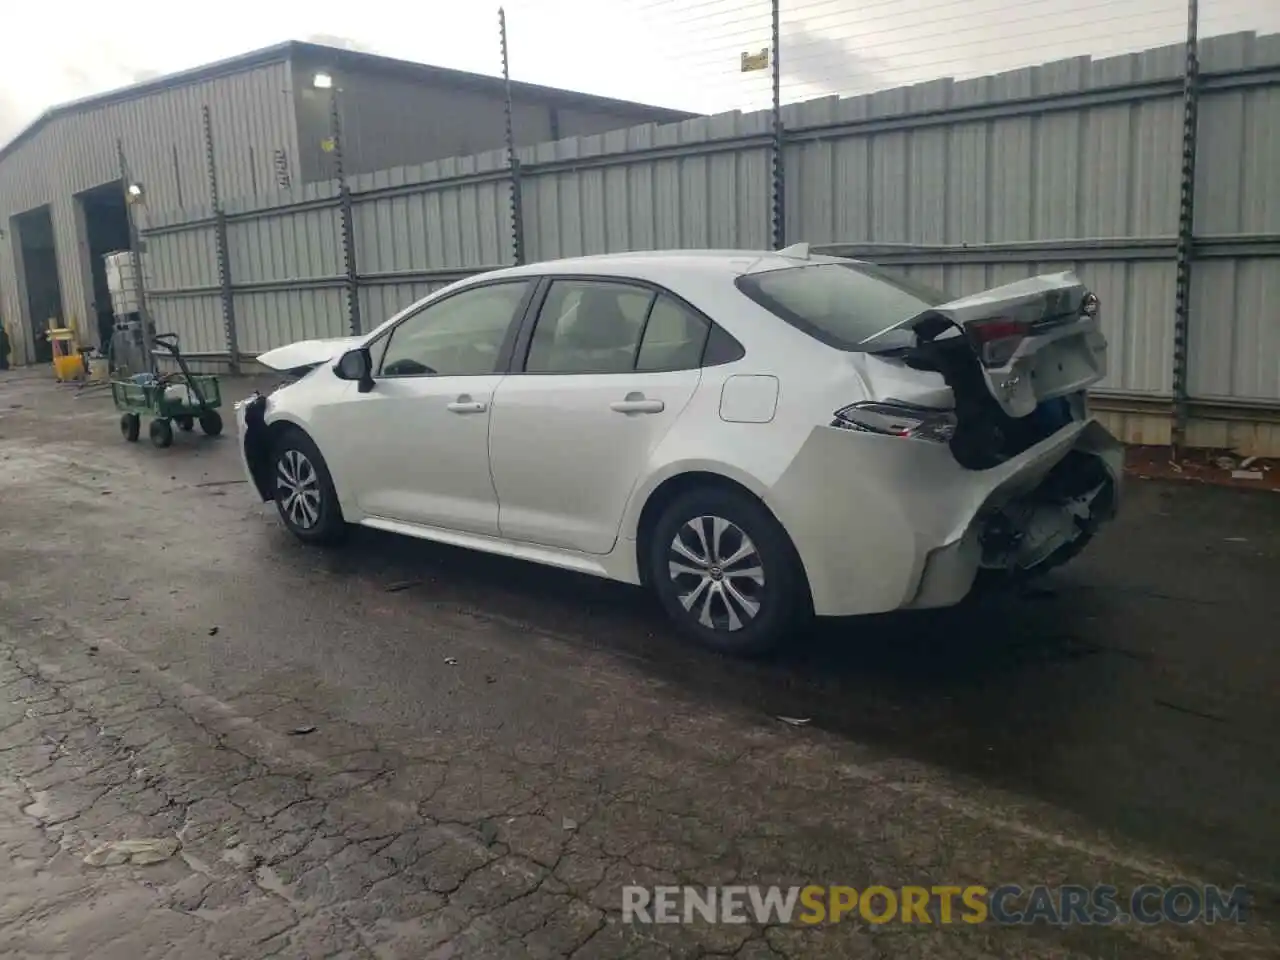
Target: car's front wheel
726	572
304	491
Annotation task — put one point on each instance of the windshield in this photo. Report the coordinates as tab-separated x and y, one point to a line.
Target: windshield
844	304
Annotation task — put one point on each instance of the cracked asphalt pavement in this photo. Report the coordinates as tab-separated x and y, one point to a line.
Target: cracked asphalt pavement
402	750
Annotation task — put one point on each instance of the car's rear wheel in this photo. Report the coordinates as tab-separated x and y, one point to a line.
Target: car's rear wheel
304	491
726	572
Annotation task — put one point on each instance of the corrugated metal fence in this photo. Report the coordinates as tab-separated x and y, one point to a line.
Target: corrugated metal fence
1075	164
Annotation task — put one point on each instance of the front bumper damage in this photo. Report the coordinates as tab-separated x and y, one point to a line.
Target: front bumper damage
255	452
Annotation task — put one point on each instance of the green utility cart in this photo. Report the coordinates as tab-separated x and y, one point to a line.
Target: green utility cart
181	398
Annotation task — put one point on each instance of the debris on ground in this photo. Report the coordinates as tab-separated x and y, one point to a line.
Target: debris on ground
569	823
1218	467
140	853
302	731
451	661
402	585
795	721
213	631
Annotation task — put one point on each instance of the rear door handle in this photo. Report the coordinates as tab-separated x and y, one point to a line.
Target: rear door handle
464	404
637	405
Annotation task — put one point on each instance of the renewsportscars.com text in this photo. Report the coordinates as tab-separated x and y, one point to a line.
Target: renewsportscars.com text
1006	904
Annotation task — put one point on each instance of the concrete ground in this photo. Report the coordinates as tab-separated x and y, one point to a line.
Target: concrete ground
403	750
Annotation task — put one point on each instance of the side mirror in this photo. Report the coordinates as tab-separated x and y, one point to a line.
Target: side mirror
356	365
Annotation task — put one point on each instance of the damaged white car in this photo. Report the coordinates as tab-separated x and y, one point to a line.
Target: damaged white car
755	437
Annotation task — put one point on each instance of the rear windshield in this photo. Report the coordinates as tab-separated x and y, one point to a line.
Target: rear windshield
843	304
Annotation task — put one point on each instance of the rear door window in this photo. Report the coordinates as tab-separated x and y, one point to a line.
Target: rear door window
589	326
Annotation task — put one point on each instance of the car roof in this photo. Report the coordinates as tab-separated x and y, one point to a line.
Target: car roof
662	265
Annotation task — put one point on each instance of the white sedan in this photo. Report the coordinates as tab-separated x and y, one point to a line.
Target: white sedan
756	437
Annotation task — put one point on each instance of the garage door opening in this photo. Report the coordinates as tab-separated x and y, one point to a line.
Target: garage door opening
106	227
34	232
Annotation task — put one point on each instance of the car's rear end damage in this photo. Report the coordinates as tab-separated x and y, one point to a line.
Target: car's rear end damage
905	525
1018	359
976	451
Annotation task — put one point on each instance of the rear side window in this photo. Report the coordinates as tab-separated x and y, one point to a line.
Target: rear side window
843	304
674	337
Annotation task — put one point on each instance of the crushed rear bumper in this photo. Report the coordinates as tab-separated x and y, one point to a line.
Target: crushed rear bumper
901	524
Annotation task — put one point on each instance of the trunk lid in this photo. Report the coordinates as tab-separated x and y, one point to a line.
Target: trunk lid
298	358
1034	340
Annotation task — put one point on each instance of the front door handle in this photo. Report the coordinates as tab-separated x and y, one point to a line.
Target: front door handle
464	404
637	403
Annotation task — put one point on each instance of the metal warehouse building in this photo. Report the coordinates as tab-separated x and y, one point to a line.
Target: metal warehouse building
61	197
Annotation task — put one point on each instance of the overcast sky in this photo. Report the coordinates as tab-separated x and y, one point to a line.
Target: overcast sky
683	53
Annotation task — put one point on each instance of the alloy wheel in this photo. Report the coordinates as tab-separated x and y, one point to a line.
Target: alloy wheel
717	572
298	487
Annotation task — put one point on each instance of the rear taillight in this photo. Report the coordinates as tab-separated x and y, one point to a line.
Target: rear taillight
892	419
997	339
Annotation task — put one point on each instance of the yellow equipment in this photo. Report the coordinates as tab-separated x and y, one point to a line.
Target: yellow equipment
67	362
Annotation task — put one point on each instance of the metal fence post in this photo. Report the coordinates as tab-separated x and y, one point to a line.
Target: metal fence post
777	201
513	162
1186	231
146	328
348	226
220	238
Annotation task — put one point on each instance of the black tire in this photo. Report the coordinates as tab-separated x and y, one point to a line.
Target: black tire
295	455
161	433
130	426
783	609
185	424
211	423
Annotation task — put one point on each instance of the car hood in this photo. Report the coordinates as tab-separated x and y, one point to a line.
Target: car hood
306	354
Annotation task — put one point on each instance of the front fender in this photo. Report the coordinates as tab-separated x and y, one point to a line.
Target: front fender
257	422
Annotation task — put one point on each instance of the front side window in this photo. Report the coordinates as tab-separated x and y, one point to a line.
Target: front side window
589	326
843	304
459	336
